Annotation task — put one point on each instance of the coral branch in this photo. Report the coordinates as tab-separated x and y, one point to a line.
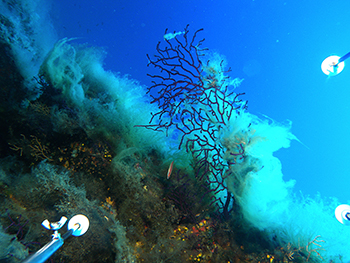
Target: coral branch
310	249
17	226
38	150
194	98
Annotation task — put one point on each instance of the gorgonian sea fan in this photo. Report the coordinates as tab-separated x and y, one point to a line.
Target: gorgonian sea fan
195	99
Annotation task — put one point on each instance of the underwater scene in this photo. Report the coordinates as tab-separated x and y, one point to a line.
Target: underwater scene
174	131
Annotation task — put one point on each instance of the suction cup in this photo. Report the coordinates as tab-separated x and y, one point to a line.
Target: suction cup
331	66
341	213
79	224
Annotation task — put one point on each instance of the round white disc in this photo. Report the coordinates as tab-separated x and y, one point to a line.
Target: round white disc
82	222
340	214
328	66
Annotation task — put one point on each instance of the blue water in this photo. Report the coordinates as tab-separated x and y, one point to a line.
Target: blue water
276	46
